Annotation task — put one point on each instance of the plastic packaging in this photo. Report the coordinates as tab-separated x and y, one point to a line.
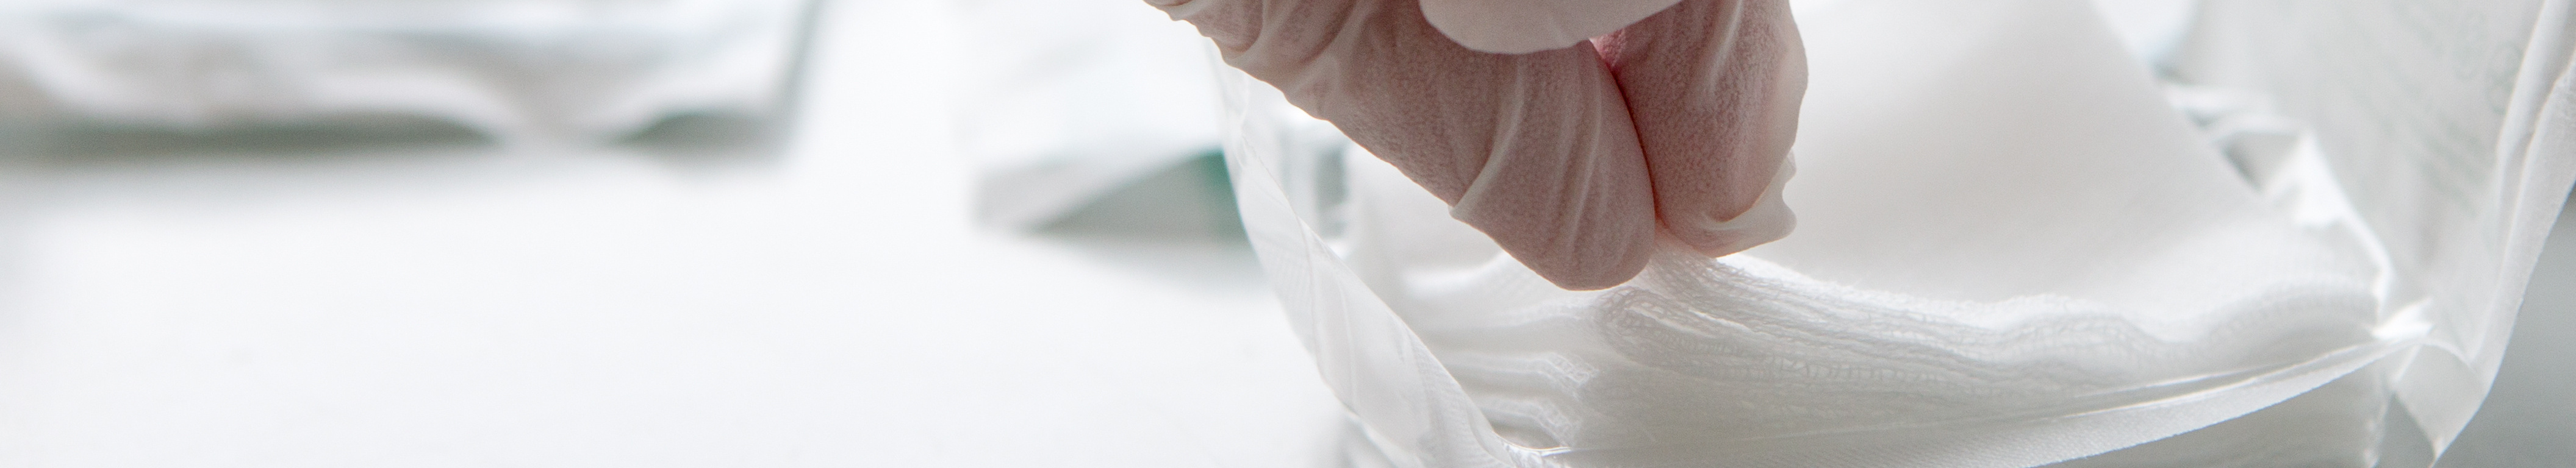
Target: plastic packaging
2012	252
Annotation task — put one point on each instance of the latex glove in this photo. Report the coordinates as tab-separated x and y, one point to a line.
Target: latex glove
1572	159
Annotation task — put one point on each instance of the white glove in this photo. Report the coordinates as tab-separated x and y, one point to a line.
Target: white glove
1571	158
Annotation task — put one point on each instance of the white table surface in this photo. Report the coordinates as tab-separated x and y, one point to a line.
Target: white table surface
590	308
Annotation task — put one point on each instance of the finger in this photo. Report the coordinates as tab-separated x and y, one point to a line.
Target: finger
1536	149
1714	86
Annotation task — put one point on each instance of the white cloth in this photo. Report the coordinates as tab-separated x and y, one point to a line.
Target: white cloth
558	71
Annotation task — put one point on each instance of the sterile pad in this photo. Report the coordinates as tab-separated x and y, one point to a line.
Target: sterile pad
2012	252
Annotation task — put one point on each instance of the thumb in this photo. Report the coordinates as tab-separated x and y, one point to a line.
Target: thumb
1714	87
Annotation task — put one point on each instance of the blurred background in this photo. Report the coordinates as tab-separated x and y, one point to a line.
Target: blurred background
690	233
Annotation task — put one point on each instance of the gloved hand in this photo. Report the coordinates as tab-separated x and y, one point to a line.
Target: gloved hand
1573	159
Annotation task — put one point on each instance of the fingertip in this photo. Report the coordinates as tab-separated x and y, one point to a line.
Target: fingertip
1726	79
1735	237
1769	219
1590	235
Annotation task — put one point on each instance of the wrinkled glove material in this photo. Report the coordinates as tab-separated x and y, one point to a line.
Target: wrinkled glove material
1575	159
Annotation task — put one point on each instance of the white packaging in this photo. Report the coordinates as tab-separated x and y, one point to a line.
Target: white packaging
2012	252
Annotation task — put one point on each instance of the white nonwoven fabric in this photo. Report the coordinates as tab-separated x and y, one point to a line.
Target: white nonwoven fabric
576	71
2013	252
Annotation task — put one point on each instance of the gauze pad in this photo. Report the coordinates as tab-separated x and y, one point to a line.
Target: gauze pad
518	71
2012	252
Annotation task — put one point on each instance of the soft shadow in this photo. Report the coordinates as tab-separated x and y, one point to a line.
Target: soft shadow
712	140
80	144
1179	224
